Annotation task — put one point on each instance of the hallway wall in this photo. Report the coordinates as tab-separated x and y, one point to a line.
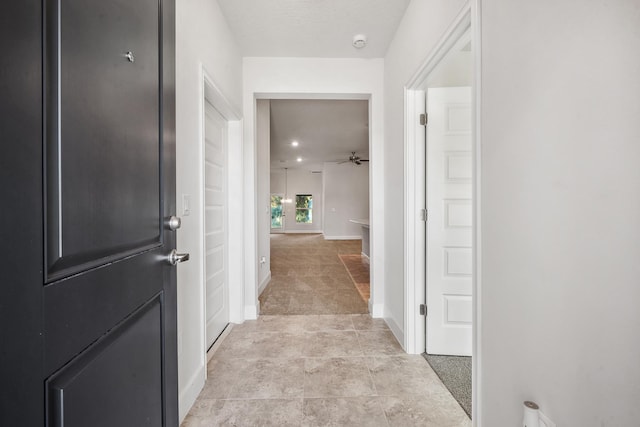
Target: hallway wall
202	37
346	196
561	211
422	26
263	152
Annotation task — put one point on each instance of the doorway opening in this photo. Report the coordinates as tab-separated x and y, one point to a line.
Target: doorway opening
313	168
440	209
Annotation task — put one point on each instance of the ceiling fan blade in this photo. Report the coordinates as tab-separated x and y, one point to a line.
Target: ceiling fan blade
344	161
364	160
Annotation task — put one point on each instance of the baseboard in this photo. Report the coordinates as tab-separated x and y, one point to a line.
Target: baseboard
303	232
358	237
251	311
264	283
376	310
190	393
396	330
218	342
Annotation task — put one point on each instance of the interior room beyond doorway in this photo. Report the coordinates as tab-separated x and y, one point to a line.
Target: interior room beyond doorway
313	168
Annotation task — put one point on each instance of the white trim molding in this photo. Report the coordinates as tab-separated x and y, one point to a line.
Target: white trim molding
415	227
415	172
467	21
251	312
190	392
264	283
376	310
476	362
269	82
235	261
358	237
395	329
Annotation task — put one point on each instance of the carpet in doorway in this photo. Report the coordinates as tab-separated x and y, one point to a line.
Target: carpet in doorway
455	374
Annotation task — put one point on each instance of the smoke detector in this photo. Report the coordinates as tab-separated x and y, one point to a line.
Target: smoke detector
359	41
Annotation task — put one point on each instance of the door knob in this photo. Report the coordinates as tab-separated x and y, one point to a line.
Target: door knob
173	223
174	257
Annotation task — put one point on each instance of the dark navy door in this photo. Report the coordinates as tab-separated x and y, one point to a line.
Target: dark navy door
105	307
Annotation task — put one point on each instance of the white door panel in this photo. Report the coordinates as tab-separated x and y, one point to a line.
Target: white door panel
215	224
450	220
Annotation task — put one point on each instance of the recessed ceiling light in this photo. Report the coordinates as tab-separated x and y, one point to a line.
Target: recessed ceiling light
294	144
359	41
299	159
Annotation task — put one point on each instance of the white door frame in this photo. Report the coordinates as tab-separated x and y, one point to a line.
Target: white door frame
468	19
376	167
235	266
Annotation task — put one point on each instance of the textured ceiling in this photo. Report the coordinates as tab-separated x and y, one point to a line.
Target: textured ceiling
313	28
326	131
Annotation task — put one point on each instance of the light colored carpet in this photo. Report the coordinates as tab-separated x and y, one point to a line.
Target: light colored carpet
308	277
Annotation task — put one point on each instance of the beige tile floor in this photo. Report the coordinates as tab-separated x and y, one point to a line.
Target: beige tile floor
320	370
328	367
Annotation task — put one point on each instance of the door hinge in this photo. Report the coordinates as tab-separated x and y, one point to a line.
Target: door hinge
424	119
423	215
423	309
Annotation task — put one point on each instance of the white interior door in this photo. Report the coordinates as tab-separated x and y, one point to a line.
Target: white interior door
215	224
449	223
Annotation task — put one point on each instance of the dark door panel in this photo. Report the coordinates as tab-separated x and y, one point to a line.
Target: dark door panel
21	380
116	382
80	309
103	140
88	303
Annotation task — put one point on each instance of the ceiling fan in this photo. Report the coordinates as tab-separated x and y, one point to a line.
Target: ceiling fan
356	160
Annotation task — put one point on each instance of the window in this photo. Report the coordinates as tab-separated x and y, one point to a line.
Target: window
276	211
304	208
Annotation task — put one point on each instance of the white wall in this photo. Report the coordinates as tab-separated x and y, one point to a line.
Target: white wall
454	71
263	146
316	78
423	24
202	37
299	182
561	211
277	181
346	196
